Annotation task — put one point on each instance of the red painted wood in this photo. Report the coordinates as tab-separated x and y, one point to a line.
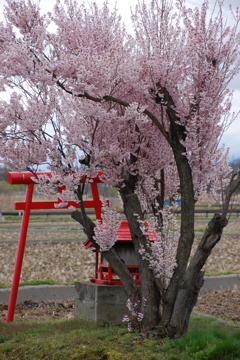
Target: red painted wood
20	254
27	206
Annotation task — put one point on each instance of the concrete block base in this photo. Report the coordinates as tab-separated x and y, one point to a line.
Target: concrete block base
100	303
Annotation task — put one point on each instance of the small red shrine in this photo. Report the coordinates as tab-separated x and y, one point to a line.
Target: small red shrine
104	273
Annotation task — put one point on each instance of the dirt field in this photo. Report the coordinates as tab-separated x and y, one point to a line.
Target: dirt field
55	256
221	304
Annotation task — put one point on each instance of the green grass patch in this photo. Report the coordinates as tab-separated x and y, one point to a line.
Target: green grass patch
226	272
12	218
40	218
52	282
44	218
75	340
43	227
39	282
201	230
207	339
59	228
43	282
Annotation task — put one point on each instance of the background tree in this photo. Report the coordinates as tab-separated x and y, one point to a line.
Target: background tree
148	110
3	173
235	165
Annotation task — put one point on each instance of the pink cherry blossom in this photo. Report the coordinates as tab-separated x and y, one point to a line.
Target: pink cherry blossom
82	94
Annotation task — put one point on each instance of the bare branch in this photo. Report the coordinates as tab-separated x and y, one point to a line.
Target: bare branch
233	185
146	112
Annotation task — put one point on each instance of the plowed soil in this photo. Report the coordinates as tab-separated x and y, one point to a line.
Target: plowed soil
221	304
54	257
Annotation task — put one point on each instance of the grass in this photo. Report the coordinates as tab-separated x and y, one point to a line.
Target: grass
39	282
226	272
207	340
75	340
43	227
52	282
77	231
202	230
45	218
39	218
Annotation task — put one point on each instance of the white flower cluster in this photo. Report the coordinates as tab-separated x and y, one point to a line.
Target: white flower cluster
161	253
106	230
135	319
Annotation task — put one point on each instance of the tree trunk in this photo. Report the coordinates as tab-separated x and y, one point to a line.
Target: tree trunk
189	287
186	233
150	294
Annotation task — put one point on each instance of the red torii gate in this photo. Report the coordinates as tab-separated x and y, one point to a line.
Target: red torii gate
27	206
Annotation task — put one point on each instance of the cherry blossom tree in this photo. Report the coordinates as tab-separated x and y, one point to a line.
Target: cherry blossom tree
147	109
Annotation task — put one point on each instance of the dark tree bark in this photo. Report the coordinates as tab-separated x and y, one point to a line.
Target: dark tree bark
149	290
193	279
175	137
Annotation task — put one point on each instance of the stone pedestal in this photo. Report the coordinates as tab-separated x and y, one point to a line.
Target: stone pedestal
100	303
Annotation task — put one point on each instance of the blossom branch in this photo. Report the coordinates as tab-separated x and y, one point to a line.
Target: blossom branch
110	255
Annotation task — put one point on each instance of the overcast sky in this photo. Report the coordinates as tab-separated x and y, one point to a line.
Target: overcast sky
231	136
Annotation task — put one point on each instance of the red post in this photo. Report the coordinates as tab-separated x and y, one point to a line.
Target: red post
97	201
20	254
